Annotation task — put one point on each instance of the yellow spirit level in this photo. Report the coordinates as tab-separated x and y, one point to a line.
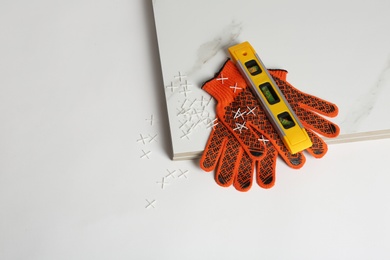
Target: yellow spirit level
271	98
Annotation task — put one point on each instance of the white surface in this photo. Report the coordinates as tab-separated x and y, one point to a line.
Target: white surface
336	50
78	81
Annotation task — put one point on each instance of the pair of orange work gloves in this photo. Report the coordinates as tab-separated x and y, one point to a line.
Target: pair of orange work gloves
243	140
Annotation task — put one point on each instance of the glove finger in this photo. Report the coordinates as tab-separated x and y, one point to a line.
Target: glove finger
296	97
244	177
319	147
266	167
213	150
317	123
228	163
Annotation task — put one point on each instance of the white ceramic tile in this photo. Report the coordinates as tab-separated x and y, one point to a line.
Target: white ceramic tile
339	51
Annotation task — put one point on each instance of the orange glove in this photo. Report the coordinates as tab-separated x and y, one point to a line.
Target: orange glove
233	164
242	117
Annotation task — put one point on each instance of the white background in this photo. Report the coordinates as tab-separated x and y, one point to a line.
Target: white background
78	81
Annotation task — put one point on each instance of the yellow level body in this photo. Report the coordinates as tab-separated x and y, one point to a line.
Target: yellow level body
271	98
